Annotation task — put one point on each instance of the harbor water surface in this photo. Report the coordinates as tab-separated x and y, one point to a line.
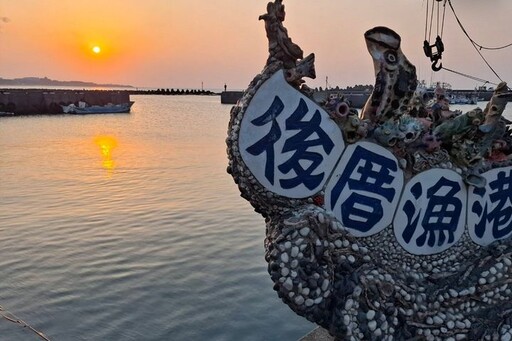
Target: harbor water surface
127	227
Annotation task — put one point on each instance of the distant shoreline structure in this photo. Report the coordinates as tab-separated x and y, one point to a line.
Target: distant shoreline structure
172	92
357	98
37	81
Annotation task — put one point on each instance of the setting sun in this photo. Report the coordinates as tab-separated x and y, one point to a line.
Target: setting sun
96	49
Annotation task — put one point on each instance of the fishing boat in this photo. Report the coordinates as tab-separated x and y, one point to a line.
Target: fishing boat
84	109
462	99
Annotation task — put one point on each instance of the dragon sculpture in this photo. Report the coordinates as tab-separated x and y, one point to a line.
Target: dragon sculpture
390	224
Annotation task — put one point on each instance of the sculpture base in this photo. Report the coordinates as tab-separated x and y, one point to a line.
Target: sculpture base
318	334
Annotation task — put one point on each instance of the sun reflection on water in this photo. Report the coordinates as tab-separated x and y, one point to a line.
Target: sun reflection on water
107	144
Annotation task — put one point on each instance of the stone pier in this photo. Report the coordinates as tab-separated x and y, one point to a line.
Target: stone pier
47	102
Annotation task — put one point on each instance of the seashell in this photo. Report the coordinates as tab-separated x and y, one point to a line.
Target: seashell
342	109
387	134
475	180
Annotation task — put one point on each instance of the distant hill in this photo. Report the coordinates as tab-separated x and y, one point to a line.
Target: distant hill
35	81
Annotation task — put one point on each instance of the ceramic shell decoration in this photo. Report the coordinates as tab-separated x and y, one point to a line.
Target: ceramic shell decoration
386	224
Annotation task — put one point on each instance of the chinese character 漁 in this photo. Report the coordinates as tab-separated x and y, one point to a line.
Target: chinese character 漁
431	216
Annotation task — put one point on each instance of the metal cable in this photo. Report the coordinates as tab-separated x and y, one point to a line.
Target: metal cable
437	18
469	76
481	47
444	15
431	21
473	42
426	22
14	319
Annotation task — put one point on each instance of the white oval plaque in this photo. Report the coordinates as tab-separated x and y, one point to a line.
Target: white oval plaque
431	216
289	143
365	188
490	208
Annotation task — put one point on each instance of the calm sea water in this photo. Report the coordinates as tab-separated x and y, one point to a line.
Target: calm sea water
127	227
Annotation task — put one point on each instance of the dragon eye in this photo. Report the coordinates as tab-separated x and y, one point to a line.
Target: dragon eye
391	57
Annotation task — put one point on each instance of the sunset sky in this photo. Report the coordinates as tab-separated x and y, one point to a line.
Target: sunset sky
183	43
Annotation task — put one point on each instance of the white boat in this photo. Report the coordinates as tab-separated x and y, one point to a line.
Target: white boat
84	109
461	99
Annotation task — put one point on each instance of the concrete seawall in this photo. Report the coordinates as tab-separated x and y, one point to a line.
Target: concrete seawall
230	97
356	98
47	102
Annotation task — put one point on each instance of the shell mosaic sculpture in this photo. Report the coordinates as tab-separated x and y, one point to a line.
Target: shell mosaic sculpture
394	224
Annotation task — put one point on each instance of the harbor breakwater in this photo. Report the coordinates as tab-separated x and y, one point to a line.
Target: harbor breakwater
172	92
48	102
356	98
